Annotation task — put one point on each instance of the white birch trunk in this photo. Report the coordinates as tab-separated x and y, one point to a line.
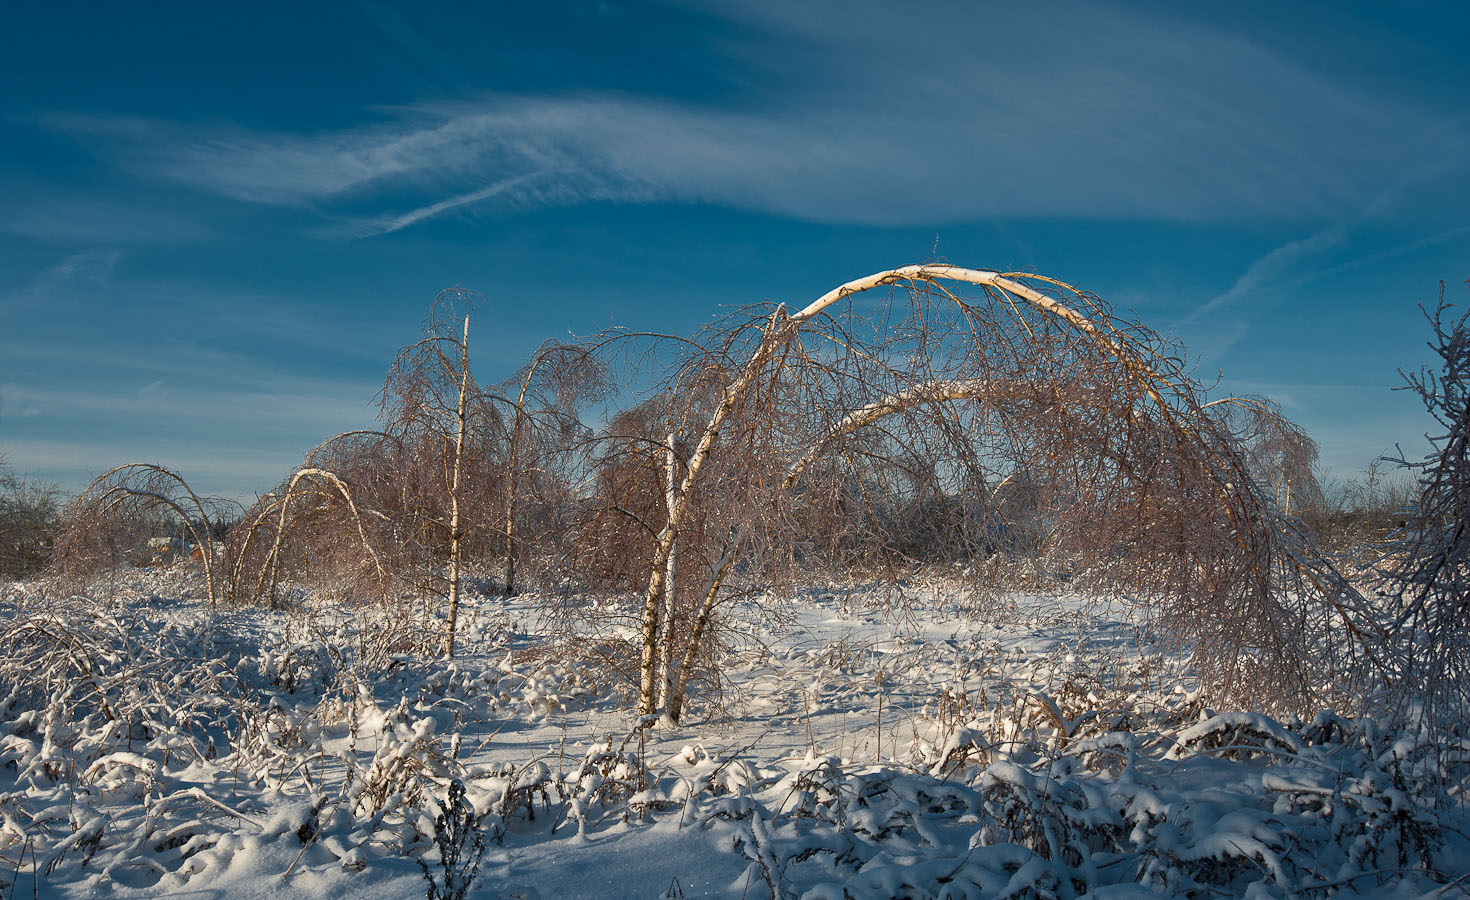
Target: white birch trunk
665	635
647	682
675	705
456	535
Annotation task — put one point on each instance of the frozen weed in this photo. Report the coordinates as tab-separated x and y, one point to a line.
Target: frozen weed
461	845
148	744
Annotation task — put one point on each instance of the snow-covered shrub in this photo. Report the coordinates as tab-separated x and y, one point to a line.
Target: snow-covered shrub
407	762
1341	813
606	779
461	845
1236	735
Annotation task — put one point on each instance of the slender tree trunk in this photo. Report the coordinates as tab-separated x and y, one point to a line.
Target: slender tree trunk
512	482
675	705
666	624
456	533
775	333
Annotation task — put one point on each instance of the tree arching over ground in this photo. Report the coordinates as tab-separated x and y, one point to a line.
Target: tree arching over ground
969	380
122	508
960	415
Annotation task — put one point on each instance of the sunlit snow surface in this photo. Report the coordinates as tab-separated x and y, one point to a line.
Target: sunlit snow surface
863	741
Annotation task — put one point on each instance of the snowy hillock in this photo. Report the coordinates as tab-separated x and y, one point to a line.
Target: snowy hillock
1045	747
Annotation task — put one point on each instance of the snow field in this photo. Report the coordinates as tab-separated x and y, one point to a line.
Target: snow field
857	744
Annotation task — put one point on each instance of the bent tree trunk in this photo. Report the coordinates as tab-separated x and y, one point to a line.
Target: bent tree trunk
775	333
1167	402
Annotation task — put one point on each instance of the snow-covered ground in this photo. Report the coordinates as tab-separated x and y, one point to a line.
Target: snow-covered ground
862	743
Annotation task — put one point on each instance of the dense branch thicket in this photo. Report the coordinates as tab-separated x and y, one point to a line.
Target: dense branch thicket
1353	518
393	511
119	518
932	424
542	452
986	421
332	524
1430	563
28	514
459	475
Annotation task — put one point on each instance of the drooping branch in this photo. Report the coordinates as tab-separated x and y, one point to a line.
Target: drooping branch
136	486
271	569
920	394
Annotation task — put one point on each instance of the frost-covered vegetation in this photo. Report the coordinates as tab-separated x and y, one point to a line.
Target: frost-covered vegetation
888	743
938	595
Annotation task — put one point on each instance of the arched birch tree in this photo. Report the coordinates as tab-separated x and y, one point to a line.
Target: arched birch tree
999	376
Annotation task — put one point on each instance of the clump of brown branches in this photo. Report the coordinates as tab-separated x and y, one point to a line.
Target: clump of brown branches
111	523
326	526
394	511
28	514
964	416
460	475
542	452
1430	562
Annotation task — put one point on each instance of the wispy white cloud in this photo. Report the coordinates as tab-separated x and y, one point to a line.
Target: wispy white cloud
228	438
183	407
89	269
1371	259
1285	268
237	474
1301	261
392	223
1268	269
1096	112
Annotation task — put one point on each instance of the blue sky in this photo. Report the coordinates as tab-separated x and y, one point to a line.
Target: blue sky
218	222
